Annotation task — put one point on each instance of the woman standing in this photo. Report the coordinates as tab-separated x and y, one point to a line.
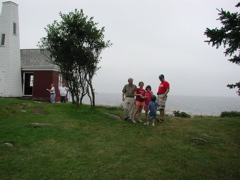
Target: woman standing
52	93
140	101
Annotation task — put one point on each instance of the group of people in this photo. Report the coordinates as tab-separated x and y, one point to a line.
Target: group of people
135	99
63	93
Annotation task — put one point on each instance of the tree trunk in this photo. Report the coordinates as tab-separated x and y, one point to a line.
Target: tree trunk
92	95
81	99
77	102
73	99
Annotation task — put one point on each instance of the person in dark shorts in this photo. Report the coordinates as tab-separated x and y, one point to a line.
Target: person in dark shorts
152	111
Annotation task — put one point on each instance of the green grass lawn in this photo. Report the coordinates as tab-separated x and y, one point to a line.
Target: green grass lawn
90	144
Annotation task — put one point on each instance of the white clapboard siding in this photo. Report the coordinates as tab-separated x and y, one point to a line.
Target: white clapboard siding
10	63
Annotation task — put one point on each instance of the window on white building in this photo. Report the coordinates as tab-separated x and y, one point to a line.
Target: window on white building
14	28
2	39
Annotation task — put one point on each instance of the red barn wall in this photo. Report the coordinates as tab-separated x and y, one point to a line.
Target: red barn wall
43	81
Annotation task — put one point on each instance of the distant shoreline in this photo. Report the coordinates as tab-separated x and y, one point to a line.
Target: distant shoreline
168	112
193	105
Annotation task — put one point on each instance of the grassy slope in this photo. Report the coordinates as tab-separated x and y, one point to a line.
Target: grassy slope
89	144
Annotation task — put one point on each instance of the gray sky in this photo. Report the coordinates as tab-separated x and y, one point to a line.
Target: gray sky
150	37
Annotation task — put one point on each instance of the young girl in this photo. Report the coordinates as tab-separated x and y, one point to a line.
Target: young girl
148	99
140	98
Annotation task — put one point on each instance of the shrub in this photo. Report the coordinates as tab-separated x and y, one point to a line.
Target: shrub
181	114
230	114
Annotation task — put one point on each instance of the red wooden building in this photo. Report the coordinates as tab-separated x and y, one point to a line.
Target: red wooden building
38	73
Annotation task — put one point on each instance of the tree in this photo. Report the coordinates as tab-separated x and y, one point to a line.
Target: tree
75	45
228	35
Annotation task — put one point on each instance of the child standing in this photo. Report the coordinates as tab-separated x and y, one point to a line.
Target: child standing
140	98
153	111
148	99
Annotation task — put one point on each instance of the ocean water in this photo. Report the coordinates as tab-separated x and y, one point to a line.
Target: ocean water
195	105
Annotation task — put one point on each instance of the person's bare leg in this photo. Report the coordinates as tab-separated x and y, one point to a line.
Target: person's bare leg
147	123
162	115
146	114
134	114
153	122
139	113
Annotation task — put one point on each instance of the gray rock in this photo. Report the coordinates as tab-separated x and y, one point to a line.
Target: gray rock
200	140
113	115
41	124
8	144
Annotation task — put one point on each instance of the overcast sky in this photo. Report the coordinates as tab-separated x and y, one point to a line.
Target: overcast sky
149	37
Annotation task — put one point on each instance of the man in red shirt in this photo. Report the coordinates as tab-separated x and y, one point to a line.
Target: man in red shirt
163	90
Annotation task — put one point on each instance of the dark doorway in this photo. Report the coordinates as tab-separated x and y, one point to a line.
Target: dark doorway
28	84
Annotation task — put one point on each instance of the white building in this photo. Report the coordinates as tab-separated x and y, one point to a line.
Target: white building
10	63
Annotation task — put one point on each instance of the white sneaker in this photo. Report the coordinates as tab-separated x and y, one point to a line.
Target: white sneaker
153	125
140	121
146	124
134	121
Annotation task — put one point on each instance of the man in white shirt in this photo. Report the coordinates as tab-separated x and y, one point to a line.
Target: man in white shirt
63	93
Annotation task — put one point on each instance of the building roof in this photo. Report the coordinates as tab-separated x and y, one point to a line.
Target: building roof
35	59
10	2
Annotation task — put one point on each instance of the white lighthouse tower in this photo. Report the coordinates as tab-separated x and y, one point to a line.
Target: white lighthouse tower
10	63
